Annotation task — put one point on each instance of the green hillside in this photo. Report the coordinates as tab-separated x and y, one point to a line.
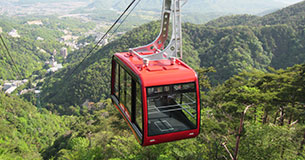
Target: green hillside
223	44
28	52
293	15
273	129
233	20
26	131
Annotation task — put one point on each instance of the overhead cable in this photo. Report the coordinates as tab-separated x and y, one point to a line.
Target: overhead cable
102	39
10	56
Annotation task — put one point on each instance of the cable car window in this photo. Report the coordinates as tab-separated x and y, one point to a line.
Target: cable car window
156	91
171	108
117	82
139	107
122	85
128	90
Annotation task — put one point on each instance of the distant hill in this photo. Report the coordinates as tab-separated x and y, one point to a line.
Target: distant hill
294	15
195	11
229	44
233	20
207	6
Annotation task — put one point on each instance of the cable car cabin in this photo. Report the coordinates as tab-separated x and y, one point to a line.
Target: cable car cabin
156	93
160	102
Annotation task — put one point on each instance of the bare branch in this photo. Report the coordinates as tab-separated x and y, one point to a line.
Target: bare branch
293	123
225	146
240	130
247	108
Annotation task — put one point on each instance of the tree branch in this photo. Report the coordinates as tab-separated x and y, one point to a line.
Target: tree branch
225	146
240	130
293	123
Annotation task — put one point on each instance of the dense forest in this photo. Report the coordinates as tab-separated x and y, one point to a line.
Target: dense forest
252	75
273	127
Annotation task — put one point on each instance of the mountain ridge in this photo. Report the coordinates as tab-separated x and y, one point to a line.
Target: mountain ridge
229	49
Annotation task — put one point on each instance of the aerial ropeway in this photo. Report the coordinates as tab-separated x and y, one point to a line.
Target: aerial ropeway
154	90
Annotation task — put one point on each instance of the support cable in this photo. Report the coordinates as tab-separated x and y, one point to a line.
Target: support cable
103	37
116	29
10	56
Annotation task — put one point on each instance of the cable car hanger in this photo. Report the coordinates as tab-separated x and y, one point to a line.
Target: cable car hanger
174	48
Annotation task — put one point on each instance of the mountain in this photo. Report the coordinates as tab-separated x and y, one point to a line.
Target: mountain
195	11
233	20
200	6
230	45
105	11
292	15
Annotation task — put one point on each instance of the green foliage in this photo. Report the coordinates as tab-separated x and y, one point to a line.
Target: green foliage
24	130
259	143
276	108
233	20
29	53
292	15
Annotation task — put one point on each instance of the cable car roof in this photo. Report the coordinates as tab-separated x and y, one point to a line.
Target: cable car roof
161	72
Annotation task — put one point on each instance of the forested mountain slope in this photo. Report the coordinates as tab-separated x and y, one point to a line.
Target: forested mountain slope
35	43
229	49
25	50
234	43
292	15
199	6
273	127
25	130
233	20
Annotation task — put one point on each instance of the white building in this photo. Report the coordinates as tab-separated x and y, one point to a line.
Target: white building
37	22
11	90
14	33
55	68
64	52
39	39
7	86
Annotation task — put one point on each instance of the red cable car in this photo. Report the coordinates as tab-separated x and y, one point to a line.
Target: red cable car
155	92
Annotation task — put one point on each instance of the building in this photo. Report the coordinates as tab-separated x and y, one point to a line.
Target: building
37	22
17	83
14	33
11	90
54	64
68	38
54	52
55	68
7	86
42	50
64	52
39	39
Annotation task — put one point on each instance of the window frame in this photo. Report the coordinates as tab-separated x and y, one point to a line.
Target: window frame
134	79
170	90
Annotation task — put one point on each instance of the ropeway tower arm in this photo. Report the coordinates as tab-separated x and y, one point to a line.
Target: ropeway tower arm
156	50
